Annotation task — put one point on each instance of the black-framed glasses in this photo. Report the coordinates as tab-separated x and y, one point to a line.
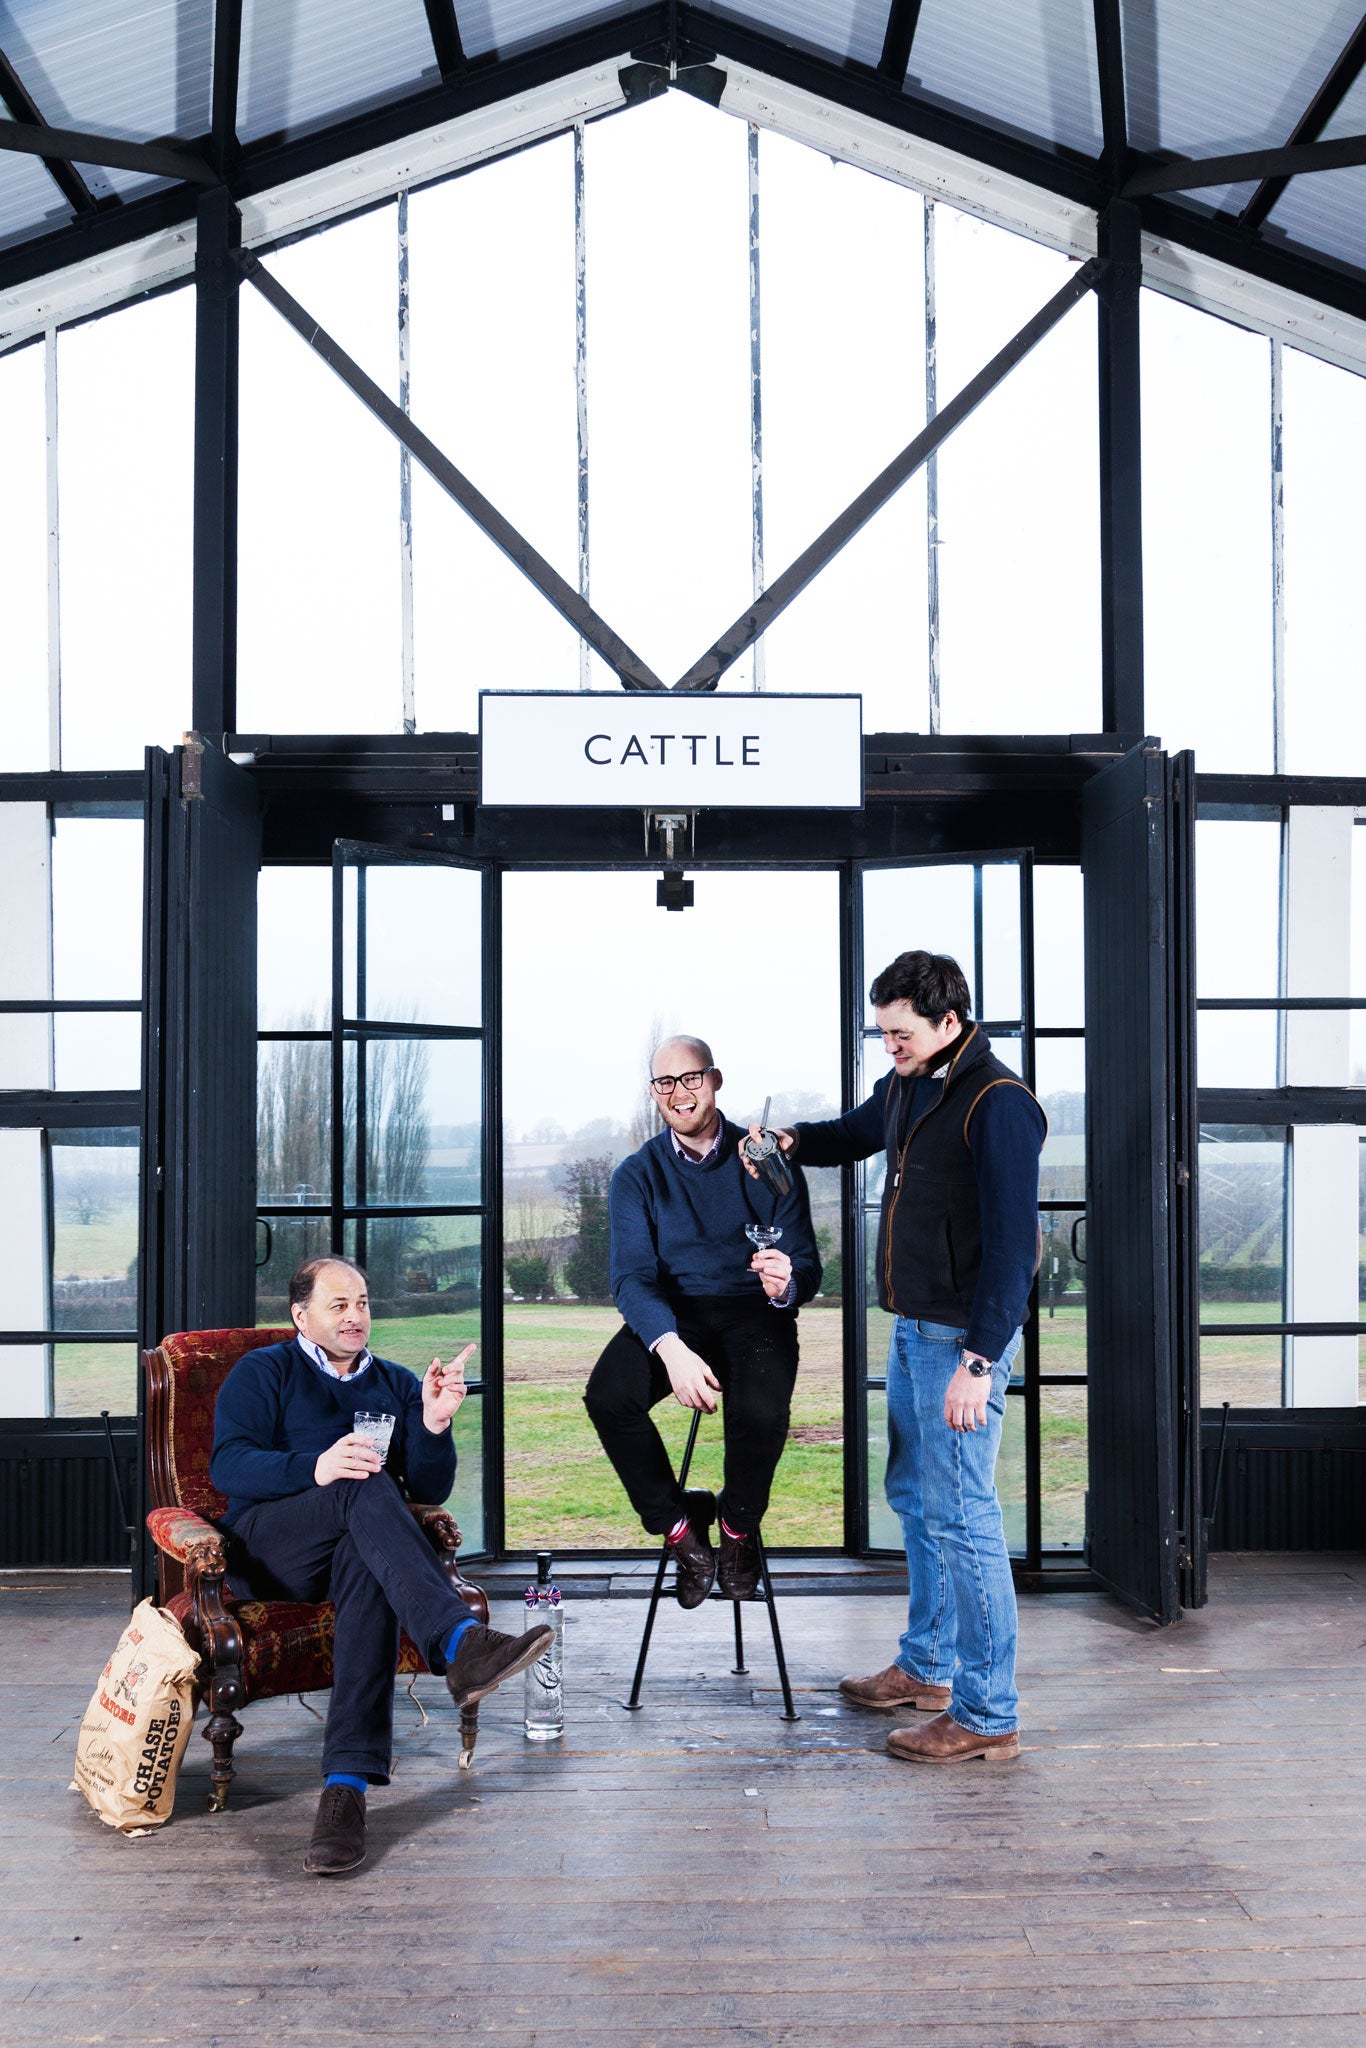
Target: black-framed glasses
664	1084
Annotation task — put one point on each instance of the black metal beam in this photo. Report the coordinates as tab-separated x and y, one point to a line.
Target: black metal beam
71	145
902	23
1294	161
214	625
623	660
1312	122
23	107
707	671
1120	471
1114	112
227	57
70	1110
444	30
1281	1107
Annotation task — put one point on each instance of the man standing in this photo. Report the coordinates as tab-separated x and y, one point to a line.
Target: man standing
701	1318
956	1255
313	1514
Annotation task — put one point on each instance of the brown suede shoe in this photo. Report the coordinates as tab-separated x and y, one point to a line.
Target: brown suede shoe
484	1657
942	1741
895	1688
337	1843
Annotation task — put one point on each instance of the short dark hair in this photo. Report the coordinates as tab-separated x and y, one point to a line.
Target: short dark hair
304	1278
931	983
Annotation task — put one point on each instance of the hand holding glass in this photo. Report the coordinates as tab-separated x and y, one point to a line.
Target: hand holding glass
378	1429
763	1235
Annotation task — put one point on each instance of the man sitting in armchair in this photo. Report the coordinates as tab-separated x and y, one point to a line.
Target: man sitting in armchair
314	1515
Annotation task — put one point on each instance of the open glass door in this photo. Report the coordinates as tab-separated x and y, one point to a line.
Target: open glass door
977	909
414	1167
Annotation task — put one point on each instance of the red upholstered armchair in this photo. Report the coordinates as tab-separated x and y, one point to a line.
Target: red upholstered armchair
250	1649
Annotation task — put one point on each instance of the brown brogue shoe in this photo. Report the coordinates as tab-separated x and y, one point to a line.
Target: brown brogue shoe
895	1688
337	1843
943	1741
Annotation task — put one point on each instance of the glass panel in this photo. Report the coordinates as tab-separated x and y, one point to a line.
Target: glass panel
294	1122
1010	1475
1207	536
88	1377
1062	1291
94	1230
1244	1370
290	1241
1357	958
23	560
1234	1050
306	64
126	483
1060	1083
466	1498
884	1529
1017	494
422	945
98	1051
1238	945
843	335
502	237
1323	441
318	619
23	1378
667	199
96	908
294	949
426	1267
423	1101
24	1302
1001	998
28	200
1059	962
1063	1469
1029	67
925	908
879	1322
1009	1051
1243	1172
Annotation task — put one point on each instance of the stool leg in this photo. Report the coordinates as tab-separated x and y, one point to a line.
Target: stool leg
739	1665
789	1711
633	1704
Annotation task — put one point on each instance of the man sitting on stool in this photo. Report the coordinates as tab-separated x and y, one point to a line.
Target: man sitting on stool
312	1515
702	1319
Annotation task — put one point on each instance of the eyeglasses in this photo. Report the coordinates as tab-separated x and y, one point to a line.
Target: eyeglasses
664	1084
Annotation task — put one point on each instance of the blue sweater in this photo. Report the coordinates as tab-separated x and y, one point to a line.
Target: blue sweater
678	1229
277	1411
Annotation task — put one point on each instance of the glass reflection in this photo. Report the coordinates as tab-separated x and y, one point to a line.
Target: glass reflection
1060	1083
1243	1169
422	1101
294	1121
421	961
94	1229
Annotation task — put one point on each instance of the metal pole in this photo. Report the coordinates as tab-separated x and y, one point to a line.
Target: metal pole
756	409
405	476
932	468
789	1711
215	466
1121	473
634	1702
581	384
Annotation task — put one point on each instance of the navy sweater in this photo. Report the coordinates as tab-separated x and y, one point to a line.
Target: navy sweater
678	1229
1005	1136
277	1411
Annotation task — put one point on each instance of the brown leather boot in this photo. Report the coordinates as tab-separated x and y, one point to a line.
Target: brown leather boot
943	1741
895	1688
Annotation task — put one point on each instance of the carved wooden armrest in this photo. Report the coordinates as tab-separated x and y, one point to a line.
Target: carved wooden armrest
438	1525
189	1539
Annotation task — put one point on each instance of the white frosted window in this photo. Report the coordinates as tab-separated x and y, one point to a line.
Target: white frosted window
1324	444
1207	537
1019	534
126	481
843	327
23	564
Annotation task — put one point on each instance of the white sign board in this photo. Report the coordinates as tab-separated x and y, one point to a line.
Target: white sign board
662	751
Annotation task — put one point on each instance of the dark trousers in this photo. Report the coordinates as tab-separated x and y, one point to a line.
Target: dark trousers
752	1349
354	1543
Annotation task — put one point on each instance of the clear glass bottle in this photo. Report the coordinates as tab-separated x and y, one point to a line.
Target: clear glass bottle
545	1678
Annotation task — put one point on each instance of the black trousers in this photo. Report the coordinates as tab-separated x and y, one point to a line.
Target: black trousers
752	1349
354	1543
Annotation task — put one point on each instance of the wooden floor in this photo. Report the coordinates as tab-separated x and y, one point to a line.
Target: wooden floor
1177	1858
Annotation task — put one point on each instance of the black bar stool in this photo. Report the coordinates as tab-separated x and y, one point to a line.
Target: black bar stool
633	1704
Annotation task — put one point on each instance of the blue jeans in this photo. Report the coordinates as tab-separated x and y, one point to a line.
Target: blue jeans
960	1630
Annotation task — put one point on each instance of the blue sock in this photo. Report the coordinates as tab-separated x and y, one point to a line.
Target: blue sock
344	1778
453	1640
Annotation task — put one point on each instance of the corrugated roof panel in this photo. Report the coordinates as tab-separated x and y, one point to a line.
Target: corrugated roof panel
1030	66
30	203
308	63
846	28
1327	209
506	24
1206	77
137	69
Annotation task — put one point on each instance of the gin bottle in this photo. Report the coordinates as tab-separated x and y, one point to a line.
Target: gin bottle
545	1678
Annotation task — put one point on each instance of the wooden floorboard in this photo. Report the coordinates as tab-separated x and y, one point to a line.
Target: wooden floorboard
1178	1860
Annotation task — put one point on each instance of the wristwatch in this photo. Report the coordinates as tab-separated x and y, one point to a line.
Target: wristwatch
978	1367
